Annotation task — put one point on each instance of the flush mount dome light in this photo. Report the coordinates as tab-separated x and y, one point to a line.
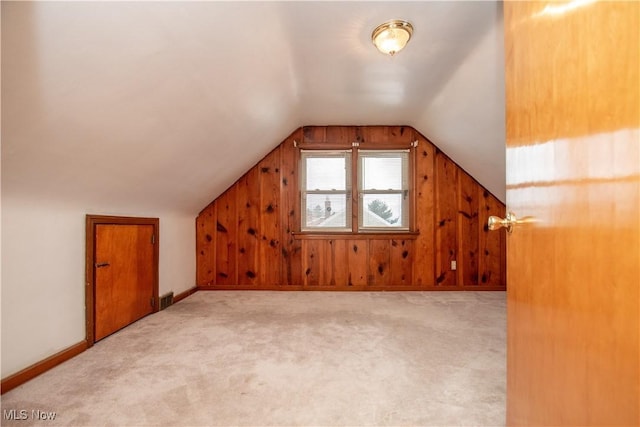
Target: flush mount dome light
392	36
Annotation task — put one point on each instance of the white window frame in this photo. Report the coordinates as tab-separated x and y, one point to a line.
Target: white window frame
404	219
346	193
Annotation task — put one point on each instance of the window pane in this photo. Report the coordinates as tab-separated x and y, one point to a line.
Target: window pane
327	211
382	173
382	210
326	173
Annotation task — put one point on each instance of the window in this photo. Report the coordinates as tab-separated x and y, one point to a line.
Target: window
382	190
326	190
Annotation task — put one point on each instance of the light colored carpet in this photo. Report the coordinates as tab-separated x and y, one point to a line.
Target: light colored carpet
288	358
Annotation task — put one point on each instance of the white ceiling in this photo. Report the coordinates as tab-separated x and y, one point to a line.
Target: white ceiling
165	104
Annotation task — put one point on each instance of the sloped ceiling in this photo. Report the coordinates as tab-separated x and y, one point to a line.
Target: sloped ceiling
163	105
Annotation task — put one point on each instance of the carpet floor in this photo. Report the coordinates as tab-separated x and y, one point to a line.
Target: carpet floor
287	359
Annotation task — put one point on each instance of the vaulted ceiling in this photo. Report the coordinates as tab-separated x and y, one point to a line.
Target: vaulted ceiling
165	104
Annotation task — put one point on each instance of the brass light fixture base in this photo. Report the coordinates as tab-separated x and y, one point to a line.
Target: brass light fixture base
392	36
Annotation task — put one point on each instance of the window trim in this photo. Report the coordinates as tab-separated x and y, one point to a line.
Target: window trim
347	192
403	192
408	231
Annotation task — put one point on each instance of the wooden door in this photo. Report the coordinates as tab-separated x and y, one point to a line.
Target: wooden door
124	275
573	165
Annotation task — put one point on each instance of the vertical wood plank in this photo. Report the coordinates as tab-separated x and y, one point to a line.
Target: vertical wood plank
379	262
269	246
360	133
339	266
311	250
446	220
327	261
205	246
314	134
468	230
226	273
248	207
357	260
400	134
490	271
375	134
340	134
424	247
289	212
401	262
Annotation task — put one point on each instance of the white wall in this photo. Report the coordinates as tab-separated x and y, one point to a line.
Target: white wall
451	123
43	274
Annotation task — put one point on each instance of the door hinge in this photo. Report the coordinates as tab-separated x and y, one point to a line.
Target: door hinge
153	239
153	302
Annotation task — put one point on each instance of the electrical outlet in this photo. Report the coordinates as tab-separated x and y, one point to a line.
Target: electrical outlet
454	265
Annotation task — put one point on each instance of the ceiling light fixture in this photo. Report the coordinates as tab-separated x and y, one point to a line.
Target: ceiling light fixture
392	36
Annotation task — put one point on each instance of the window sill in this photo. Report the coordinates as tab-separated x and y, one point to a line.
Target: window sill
372	235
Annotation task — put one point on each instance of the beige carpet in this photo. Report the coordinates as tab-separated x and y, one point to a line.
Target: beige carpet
288	358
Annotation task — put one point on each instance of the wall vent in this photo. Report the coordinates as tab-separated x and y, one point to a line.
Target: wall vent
166	300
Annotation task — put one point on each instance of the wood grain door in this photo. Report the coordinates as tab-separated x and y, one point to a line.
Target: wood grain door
124	276
573	165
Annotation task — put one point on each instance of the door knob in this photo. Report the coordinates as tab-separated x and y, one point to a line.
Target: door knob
102	264
495	222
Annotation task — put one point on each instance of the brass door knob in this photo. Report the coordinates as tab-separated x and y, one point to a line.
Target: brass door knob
495	222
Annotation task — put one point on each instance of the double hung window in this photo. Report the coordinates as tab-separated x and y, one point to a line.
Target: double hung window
326	190
373	184
383	189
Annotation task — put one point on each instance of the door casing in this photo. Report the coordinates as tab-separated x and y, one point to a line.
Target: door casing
91	222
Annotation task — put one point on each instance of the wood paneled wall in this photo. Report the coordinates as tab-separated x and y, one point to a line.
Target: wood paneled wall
246	240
